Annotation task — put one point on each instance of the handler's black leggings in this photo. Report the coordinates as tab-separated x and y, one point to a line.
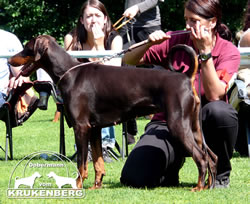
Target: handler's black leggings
157	158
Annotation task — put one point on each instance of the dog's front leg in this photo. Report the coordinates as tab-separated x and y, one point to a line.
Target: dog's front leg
96	146
82	137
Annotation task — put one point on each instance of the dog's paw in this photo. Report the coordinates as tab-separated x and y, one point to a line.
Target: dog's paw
79	183
197	189
97	185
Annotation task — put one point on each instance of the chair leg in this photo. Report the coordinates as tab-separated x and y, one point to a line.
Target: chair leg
124	140
62	135
113	154
248	136
117	146
6	146
8	137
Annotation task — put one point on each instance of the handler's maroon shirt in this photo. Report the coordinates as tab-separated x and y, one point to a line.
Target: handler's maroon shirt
226	58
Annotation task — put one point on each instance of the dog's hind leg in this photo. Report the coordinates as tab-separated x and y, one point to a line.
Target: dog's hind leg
82	134
200	159
200	140
212	168
98	161
181	129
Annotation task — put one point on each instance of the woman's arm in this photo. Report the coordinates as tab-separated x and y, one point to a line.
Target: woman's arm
132	11
204	40
68	42
215	89
116	45
13	82
135	56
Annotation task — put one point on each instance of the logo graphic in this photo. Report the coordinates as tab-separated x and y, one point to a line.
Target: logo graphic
44	175
61	181
28	181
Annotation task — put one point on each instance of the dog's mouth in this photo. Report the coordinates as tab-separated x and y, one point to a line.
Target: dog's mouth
28	68
29	65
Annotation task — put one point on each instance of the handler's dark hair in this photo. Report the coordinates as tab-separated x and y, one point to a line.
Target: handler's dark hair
208	9
247	17
79	33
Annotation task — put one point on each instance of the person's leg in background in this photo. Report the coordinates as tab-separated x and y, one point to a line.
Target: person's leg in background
139	34
131	130
108	141
154	161
43	95
2	98
220	127
108	137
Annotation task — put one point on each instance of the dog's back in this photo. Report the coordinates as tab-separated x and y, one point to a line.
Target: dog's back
135	91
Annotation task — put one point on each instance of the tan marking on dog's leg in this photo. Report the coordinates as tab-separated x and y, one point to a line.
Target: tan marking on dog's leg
196	123
83	170
199	186
212	171
98	161
79	180
56	117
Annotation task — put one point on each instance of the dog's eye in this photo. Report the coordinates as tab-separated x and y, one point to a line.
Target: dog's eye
29	52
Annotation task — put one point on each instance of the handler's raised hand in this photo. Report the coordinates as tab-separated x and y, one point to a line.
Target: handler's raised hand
202	36
158	37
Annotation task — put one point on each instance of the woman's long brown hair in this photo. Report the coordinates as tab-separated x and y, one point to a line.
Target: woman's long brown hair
79	33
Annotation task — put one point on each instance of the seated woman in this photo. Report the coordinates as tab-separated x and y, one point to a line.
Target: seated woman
94	32
26	104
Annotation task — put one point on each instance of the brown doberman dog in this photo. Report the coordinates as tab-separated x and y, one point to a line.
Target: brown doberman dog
96	96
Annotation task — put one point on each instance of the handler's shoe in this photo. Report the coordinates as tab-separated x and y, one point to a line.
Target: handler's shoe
222	182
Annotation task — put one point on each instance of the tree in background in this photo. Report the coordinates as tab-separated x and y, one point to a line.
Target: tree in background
29	18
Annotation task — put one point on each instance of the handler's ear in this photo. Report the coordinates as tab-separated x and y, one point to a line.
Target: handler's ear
213	22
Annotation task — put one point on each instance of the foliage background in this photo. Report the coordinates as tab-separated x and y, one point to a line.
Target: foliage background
29	18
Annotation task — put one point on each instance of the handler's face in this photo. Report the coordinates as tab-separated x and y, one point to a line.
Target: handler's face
195	21
93	17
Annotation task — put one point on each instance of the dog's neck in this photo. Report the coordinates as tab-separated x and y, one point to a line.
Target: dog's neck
57	69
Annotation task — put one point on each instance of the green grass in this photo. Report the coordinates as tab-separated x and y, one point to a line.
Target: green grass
39	133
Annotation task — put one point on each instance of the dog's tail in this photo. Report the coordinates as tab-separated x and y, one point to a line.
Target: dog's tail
193	61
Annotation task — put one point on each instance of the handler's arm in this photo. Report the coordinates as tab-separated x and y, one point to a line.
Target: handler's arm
135	56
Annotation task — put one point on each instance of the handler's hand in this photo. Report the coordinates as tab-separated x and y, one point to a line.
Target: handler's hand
202	38
158	37
13	83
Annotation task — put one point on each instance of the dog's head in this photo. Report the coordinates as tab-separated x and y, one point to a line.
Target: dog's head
30	56
51	174
36	174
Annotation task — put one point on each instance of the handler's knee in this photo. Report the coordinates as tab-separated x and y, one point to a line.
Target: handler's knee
219	113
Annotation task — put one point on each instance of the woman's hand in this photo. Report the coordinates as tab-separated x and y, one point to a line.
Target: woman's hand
158	37
135	56
14	83
131	11
98	36
202	38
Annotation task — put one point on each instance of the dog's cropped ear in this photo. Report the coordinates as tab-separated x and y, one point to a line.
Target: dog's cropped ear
40	47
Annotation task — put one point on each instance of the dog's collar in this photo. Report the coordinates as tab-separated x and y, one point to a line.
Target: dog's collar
74	67
101	60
